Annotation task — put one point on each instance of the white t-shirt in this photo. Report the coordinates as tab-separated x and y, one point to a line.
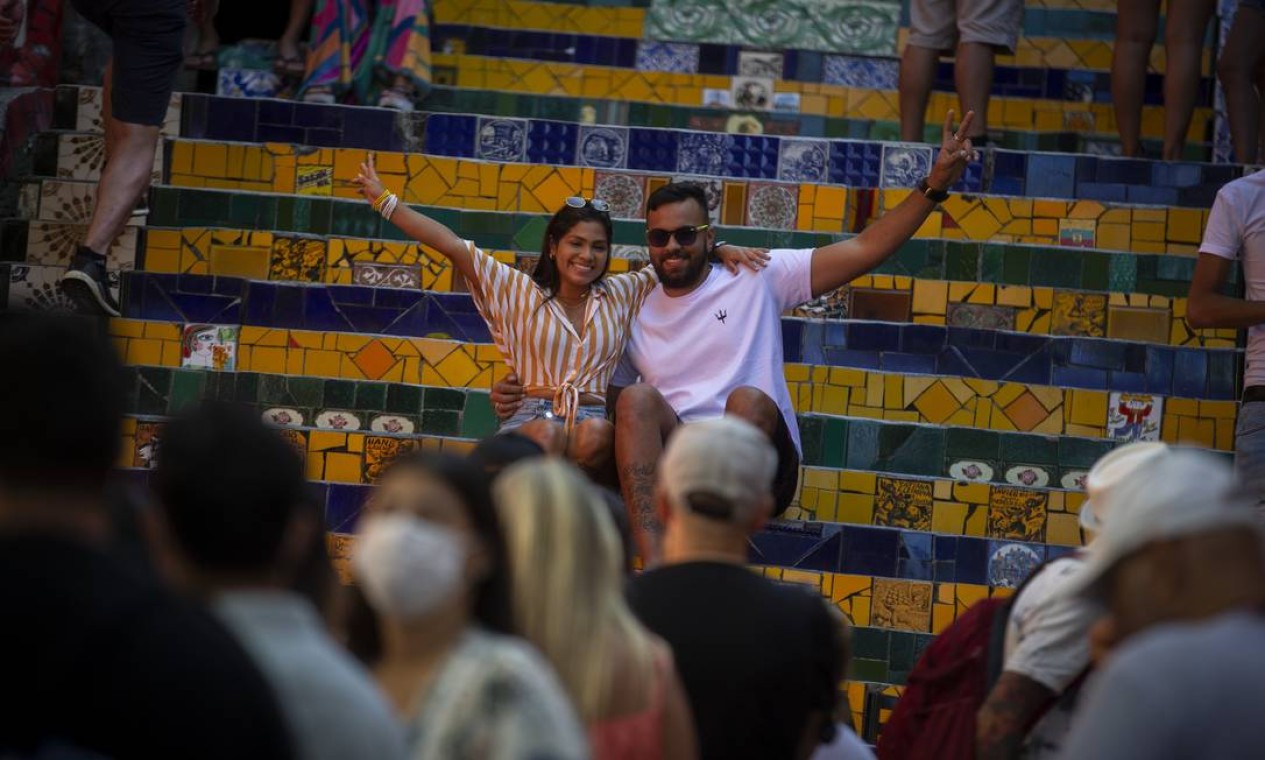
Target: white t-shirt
697	348
1047	640
1236	229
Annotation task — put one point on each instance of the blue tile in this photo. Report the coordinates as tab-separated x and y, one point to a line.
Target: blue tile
1152	196
272	133
1034	370
1190	373
1223	375
1124	171
287	309
652	150
272	111
232	119
1159	367
972	560
319	116
1010	563
1079	377
923	338
922	364
946	547
869	551
1129	382
1098	191
1051	176
873	336
551	142
792	338
1100	354
343	502
846	357
450	135
965	337
324	138
990	364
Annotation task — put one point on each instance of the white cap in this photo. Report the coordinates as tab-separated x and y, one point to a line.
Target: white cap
726	458
1172	495
1116	467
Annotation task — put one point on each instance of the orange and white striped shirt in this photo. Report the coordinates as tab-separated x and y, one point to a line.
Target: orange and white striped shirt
538	341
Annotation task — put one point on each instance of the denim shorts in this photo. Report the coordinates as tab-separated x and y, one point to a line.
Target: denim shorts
542	409
1249	447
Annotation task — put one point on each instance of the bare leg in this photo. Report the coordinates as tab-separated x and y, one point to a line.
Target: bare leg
643	422
592	448
1238	71
973	77
917	74
300	12
549	435
125	177
1136	22
754	406
1184	31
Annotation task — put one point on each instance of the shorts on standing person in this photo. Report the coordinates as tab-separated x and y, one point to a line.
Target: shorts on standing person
148	37
942	24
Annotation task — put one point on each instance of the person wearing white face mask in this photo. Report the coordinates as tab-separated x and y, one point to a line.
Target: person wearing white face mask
430	615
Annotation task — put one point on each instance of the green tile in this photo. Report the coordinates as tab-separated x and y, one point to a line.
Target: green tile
478	420
1053	268
340	394
403	399
253	211
1096	271
371	396
354	220
869	670
810	434
1081	453
901	652
863	445
164	210
247	387
307	391
871	643
1018	448
321	215
204	208
153	385
991	261
913	449
834	442
961	262
441	422
444	399
1016	266
965	443
294	213
273	390
187	387
529	235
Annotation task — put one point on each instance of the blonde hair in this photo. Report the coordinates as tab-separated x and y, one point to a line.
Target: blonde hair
566	562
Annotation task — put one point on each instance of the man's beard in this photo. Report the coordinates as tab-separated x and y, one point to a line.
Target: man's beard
686	277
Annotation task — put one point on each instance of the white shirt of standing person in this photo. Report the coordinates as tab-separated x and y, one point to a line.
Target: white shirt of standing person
1236	231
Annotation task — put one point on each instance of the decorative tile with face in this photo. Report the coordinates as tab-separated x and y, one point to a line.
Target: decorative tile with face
752	93
211	347
602	147
1134	416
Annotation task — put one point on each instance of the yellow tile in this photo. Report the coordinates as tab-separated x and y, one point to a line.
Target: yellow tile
1088	408
948	517
855	508
342	468
143	351
930	296
936	404
1062	529
1185	225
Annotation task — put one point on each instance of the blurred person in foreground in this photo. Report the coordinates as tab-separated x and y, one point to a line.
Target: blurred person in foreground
99	660
1181	569
431	616
240	540
758	659
568	580
1046	648
845	745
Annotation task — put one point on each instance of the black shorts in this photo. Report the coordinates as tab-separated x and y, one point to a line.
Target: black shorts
148	38
787	476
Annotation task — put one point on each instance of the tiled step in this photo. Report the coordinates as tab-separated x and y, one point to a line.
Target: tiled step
596	82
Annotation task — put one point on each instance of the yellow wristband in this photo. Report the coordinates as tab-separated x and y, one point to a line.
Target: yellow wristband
377	205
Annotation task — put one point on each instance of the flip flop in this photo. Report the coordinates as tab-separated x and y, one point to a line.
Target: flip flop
204	60
293	66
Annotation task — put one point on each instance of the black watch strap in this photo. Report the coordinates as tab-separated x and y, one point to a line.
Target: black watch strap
933	195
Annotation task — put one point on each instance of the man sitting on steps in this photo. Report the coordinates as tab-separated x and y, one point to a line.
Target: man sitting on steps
705	344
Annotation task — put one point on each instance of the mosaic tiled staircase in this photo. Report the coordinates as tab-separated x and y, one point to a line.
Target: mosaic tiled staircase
950	402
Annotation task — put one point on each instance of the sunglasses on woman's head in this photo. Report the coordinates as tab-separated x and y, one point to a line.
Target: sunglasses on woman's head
685	236
598	204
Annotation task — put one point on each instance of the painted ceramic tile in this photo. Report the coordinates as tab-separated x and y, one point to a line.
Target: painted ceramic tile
66	201
866	73
501	139
1134	416
980	316
772	25
786	102
677	57
752	93
626	193
283	417
1079	121
247	83
704	153
1074	480
1027	476
832	305
339	546
380	451
34	288
713	188
392	423
634	253
802	161
1017	513
602	147
1083	314
146	444
713	98
758	64
80	156
53	244
905	165
1077	233
314	180
1010	564
902	605
386	275
88	112
689	20
771	206
337	419
971	472
867	27
903	503
743	124
298	259
209	347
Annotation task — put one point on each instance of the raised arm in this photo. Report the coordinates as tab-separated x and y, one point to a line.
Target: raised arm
1207	306
840	263
418	226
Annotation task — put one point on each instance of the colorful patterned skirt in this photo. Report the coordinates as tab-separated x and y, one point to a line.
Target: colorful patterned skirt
361	46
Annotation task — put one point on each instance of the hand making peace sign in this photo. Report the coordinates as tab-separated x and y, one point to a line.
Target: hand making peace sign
956	152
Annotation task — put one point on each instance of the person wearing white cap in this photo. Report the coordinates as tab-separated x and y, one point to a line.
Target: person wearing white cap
756	657
1181	567
1046	649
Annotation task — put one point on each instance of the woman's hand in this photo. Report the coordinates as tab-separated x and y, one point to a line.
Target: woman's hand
956	152
733	256
368	180
506	396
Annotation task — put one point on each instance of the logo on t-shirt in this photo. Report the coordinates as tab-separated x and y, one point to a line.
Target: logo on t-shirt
721	315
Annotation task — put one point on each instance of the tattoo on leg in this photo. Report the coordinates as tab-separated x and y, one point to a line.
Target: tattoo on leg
638	479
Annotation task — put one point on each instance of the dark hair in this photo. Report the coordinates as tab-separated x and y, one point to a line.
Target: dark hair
495	453
64	387
678	192
314	578
546	273
491	594
229	487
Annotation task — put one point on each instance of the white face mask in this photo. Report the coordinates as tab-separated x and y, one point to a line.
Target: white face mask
407	566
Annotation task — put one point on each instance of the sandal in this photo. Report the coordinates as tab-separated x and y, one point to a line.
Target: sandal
289	67
319	94
204	60
396	98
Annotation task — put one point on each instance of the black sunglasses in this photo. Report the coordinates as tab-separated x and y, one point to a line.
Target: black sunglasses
598	204
685	236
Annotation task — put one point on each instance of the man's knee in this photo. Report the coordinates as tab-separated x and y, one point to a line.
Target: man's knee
754	406
640	402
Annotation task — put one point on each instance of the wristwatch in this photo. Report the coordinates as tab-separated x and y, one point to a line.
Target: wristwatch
933	195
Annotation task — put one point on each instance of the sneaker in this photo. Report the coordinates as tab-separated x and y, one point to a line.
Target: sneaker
87	284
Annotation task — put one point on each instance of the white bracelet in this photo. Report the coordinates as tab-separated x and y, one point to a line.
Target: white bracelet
388	208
